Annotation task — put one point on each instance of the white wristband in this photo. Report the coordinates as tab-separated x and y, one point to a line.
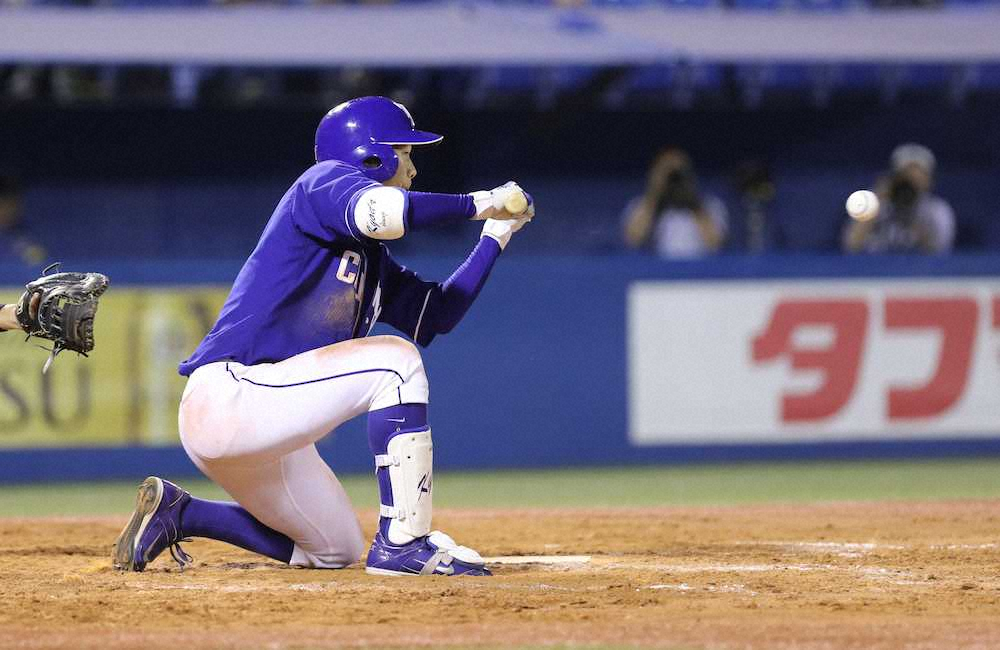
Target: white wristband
483	199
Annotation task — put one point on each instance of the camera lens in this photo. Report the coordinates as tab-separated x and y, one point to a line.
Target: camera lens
902	192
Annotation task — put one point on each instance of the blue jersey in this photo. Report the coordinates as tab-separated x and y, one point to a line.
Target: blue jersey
313	279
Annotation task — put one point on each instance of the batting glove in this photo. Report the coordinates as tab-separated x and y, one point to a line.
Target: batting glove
490	203
502	229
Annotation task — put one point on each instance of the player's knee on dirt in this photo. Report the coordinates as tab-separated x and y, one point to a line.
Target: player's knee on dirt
409	459
405	382
346	550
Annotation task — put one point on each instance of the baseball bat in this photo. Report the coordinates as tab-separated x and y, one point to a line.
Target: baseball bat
516	203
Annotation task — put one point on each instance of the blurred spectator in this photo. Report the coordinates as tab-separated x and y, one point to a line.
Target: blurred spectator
74	84
761	232
672	215
911	218
25	83
16	244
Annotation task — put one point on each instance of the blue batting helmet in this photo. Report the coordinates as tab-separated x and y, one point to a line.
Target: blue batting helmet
361	132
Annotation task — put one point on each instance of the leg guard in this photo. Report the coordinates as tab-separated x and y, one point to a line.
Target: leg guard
409	461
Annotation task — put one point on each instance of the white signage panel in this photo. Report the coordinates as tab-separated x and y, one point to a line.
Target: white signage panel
808	360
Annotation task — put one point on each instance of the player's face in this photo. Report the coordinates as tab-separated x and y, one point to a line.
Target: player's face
406	171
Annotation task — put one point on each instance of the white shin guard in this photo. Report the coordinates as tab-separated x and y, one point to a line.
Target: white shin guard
409	460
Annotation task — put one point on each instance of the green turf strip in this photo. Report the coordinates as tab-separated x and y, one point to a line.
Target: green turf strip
640	486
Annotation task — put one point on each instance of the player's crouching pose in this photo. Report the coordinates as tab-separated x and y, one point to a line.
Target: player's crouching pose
289	360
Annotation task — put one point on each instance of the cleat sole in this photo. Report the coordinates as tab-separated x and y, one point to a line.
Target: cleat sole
146	502
386	572
375	571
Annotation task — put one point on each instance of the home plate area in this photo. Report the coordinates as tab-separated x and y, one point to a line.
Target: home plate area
846	575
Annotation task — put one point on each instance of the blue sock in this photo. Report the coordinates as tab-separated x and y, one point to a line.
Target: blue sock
230	523
383	426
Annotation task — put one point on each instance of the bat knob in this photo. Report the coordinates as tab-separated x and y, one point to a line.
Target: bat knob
516	203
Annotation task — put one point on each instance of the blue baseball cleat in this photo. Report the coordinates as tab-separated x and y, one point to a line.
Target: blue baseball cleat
434	554
154	527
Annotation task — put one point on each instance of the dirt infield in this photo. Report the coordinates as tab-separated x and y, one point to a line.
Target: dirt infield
890	575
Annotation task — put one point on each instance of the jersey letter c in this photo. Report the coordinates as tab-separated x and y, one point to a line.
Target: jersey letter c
350	263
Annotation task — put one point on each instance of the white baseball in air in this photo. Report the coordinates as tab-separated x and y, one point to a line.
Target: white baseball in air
862	205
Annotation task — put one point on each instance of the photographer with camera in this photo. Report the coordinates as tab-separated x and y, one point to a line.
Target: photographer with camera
911	219
672	215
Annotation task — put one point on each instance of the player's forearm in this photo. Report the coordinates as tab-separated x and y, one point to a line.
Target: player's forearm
639	225
458	292
427	209
8	320
711	234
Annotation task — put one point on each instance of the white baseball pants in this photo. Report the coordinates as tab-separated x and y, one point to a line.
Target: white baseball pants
253	429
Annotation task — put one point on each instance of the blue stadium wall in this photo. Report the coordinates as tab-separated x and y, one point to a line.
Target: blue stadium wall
536	375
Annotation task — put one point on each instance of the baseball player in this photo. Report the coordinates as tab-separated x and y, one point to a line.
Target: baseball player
290	359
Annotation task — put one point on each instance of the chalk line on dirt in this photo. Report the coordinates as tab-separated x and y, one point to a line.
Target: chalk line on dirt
538	559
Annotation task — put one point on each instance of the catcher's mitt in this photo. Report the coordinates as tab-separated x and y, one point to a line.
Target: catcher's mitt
66	304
